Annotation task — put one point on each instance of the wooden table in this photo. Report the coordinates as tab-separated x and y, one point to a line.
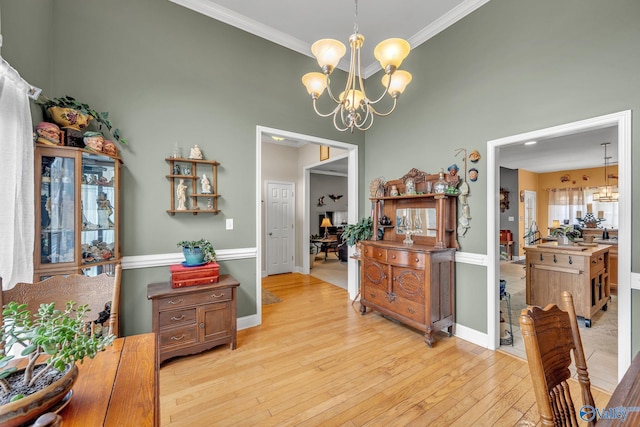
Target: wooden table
119	387
326	244
625	397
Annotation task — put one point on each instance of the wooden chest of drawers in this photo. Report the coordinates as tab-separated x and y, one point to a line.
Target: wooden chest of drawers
582	271
412	284
193	319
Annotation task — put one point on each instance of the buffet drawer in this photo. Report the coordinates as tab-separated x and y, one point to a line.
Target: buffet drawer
406	258
187	300
171	318
379	254
179	337
401	306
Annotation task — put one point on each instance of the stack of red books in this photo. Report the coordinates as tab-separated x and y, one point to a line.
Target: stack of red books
183	275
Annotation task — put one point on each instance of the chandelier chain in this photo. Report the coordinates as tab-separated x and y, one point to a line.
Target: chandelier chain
355	17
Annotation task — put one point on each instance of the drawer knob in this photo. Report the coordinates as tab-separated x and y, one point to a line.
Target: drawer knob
570	260
172	302
174	318
554	258
541	258
393	256
201	325
217	296
178	338
417	259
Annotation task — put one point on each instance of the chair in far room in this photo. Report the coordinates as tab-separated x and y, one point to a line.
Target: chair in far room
506	240
550	335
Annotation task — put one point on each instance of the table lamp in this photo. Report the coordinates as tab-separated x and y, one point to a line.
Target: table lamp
326	223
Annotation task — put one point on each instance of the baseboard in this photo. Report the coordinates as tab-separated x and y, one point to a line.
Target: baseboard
247	322
473	336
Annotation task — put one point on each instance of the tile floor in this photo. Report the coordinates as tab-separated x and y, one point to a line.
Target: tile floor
600	342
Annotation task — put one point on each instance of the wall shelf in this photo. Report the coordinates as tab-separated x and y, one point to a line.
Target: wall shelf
198	202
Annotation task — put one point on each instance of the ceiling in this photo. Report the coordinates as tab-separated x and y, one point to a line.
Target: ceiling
569	152
298	24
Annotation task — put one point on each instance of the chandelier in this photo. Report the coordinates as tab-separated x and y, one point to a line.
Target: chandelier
606	192
354	109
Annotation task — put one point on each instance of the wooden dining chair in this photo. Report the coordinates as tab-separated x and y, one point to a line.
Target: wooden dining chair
550	335
96	291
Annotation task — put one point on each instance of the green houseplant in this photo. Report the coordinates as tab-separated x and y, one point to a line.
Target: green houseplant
354	233
197	251
102	118
61	337
568	232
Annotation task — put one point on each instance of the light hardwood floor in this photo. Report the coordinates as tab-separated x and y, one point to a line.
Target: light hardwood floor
315	361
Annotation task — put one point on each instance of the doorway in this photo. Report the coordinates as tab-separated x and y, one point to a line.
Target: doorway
301	222
622	121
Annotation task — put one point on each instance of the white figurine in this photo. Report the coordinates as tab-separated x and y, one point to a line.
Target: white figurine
206	185
181	192
195	153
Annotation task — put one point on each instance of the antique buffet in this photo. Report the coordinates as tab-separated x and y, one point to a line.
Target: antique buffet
407	272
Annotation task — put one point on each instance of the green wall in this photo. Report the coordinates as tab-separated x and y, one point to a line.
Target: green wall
510	67
167	74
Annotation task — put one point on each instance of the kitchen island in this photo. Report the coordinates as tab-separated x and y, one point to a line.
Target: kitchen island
581	269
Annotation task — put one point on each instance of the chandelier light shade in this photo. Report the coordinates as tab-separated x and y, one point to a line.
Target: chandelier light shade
606	192
354	109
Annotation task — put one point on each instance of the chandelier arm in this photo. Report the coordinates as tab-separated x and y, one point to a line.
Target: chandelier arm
332	112
386	91
363	124
373	110
335	123
333	98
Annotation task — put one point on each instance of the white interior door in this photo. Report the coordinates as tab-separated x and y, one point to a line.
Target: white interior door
279	227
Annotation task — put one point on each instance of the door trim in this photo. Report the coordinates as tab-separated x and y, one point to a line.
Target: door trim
301	201
620	119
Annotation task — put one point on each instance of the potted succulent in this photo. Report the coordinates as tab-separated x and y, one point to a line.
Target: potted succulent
53	341
67	111
352	234
197	252
566	234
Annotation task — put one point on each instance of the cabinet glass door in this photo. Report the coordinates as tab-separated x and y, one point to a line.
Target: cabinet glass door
57	198
98	237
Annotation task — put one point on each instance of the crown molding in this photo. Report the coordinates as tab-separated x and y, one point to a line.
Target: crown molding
215	11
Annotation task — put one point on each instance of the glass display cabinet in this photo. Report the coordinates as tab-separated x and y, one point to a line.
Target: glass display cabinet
77	212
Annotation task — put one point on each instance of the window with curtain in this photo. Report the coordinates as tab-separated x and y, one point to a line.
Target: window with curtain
564	204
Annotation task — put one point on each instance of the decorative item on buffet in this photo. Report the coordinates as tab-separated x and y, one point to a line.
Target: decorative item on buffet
49	134
589	220
440	185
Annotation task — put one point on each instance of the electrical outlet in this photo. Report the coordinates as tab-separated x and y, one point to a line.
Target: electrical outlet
229	223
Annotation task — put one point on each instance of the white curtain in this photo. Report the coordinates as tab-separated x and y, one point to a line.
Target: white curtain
564	204
16	179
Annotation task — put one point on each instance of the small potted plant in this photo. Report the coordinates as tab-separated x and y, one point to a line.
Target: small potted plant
566	234
197	252
80	119
62	337
355	233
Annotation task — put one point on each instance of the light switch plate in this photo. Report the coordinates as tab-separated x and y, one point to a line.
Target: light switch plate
229	223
